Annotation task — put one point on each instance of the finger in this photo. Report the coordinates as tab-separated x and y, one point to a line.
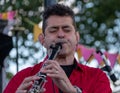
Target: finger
27	82
31	78
42	90
21	91
52	62
51	71
53	75
52	65
25	85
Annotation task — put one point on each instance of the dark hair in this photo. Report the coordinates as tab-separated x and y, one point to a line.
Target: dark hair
57	9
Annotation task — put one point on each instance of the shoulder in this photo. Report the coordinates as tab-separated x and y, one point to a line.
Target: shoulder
91	71
20	76
94	76
29	71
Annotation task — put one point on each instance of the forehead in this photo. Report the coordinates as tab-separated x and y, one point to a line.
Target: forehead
59	20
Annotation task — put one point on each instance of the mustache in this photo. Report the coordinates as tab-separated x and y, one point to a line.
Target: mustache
58	41
61	41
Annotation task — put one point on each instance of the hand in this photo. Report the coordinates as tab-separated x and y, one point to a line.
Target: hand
27	82
53	70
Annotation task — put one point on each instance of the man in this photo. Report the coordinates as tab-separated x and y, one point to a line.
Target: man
64	74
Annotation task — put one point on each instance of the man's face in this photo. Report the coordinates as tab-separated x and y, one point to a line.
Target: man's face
61	29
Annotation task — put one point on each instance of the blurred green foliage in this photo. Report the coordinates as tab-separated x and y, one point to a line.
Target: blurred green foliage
98	22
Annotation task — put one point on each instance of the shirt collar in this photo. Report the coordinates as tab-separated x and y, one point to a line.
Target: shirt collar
78	65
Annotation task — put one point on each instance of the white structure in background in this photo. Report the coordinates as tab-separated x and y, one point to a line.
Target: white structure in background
94	63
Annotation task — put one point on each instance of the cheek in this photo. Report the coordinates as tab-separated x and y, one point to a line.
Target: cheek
48	41
73	43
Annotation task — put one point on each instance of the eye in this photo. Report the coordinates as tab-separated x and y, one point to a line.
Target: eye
53	30
67	29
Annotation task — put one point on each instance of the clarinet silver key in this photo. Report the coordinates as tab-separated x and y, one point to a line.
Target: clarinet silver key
39	84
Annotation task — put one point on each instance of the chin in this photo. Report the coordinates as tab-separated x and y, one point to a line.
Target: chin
61	56
63	53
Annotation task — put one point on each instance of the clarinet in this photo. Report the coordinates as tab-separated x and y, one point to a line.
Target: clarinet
107	67
39	84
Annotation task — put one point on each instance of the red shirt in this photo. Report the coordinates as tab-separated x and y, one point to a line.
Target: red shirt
90	80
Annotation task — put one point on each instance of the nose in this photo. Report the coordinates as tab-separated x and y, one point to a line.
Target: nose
61	33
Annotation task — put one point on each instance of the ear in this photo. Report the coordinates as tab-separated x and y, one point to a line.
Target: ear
77	39
41	38
77	36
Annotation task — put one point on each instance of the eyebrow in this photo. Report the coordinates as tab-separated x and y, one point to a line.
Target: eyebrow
66	26
56	27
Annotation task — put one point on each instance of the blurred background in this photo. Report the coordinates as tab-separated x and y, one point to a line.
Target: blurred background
98	22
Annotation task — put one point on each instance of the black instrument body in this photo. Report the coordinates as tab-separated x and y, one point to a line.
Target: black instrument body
39	84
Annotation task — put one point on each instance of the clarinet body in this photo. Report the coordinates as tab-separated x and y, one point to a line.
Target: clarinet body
107	67
39	84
